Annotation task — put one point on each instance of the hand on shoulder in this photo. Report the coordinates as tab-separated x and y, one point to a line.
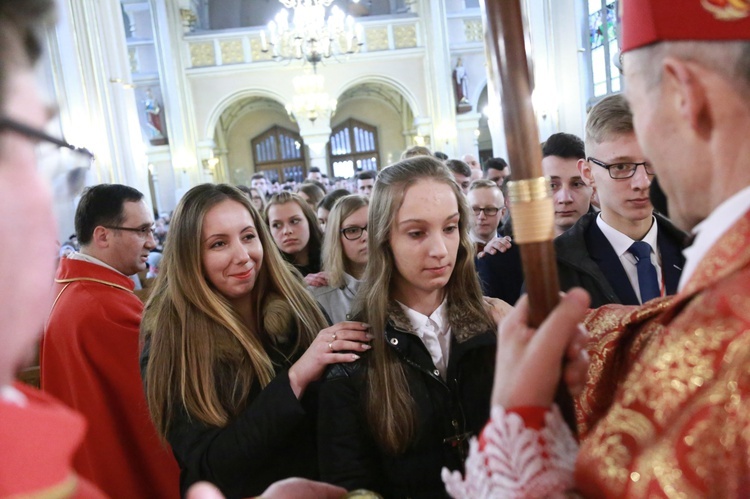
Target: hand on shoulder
333	345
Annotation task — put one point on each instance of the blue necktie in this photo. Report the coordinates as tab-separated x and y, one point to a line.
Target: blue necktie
648	283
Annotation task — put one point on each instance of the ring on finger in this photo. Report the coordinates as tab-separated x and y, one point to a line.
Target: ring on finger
334	337
330	346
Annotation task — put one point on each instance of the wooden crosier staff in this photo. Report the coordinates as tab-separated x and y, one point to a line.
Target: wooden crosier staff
531	200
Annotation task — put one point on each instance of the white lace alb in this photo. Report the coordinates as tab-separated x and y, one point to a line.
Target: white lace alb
517	462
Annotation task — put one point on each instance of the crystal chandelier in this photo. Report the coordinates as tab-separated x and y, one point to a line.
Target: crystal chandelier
310	35
310	100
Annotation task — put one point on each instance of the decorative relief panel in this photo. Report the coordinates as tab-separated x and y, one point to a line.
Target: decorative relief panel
473	30
231	52
256	51
405	36
202	54
377	39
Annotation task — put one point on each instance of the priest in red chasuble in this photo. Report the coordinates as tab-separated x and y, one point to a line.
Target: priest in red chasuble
90	350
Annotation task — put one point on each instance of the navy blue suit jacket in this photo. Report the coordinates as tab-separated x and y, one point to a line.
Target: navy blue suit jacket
604	255
586	259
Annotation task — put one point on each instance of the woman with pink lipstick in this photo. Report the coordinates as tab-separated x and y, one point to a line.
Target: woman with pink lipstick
391	421
233	346
345	250
295	229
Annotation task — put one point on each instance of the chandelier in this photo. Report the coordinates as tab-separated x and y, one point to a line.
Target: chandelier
310	35
310	99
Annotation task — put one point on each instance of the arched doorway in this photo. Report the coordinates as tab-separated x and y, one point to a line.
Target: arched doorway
380	113
249	120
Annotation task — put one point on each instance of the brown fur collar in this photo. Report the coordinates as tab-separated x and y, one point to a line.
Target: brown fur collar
464	324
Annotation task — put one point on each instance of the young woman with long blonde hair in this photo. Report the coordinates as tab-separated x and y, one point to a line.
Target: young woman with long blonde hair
233	345
344	257
392	420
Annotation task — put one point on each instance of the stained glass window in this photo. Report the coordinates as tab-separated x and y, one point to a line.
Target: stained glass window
279	154
353	147
603	47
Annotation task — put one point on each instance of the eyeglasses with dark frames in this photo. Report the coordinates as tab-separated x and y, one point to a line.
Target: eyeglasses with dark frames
490	211
39	135
619	171
143	232
353	233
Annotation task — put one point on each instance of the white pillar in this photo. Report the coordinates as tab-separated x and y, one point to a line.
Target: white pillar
160	165
178	102
438	77
467	125
316	135
97	103
208	160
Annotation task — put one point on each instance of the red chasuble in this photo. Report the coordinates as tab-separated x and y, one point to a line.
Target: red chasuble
38	437
89	360
672	414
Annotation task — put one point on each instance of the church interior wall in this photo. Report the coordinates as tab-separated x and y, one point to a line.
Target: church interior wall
213	90
421	72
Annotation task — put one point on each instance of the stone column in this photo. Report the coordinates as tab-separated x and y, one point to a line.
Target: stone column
438	76
316	135
178	102
467	139
89	59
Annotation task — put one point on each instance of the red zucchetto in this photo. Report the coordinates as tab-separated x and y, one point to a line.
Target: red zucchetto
649	21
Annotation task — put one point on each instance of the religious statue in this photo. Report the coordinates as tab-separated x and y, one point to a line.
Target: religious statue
154	122
461	87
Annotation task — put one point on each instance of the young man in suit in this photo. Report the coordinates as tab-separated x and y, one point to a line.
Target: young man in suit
571	196
626	253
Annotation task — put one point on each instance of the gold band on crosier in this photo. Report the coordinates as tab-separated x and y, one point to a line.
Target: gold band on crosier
532	210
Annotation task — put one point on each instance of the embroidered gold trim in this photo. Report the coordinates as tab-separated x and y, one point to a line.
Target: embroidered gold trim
91	279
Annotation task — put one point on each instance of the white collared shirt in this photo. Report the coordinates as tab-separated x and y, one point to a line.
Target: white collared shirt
711	229
91	259
434	331
88	258
622	243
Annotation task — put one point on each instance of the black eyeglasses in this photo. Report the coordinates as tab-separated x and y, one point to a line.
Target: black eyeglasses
143	232
353	233
33	133
489	211
623	170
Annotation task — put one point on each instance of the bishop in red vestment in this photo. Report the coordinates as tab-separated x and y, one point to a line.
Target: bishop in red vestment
666	410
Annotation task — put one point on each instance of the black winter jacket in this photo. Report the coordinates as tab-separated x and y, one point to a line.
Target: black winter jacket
272	438
448	413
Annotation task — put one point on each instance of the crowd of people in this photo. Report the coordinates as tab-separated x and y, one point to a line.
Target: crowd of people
302	344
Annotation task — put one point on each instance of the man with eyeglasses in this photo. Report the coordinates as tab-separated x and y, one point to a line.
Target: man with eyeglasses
500	273
626	253
89	352
488	207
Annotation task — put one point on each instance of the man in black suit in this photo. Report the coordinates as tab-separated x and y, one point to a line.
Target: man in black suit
626	253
